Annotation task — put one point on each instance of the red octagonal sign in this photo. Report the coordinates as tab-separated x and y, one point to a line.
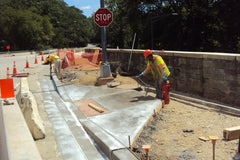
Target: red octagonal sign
103	17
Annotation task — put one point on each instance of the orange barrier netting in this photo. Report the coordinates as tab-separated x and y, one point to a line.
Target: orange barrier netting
7	89
84	58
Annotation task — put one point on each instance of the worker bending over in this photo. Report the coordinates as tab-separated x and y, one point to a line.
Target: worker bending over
158	68
51	58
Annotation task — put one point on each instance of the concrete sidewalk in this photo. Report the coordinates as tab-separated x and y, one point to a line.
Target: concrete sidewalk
72	139
105	135
128	112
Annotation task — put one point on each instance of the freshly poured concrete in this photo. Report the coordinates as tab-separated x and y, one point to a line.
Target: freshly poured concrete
73	141
130	111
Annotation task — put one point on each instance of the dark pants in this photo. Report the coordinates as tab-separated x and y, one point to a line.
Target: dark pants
159	83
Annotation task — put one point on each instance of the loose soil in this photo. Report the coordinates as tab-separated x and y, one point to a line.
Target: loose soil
174	133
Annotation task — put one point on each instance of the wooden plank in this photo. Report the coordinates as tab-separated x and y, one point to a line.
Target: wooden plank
203	138
93	106
231	133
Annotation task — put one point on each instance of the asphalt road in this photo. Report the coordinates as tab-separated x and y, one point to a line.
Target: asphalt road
7	60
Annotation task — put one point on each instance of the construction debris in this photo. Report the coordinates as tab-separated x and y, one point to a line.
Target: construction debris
113	84
6	102
20	75
203	138
188	130
103	80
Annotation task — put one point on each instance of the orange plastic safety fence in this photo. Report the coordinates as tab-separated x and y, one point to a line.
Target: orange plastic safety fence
84	59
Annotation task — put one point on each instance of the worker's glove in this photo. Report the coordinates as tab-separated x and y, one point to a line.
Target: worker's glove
140	75
165	79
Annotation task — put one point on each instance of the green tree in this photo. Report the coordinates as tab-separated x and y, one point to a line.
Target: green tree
35	24
228	11
24	29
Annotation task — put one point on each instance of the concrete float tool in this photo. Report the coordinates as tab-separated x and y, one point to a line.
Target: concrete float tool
142	83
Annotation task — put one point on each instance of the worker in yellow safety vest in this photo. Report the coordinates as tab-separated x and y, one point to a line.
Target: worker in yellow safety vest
51	58
159	69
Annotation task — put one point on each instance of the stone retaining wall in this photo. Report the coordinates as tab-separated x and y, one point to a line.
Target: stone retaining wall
213	76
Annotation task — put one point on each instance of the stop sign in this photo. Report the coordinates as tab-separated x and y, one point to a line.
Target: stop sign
103	17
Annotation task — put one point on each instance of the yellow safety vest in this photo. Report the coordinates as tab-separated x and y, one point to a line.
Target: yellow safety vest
160	65
52	58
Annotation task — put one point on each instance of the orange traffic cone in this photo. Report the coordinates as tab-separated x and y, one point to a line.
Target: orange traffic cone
42	58
14	69
27	64
8	74
36	59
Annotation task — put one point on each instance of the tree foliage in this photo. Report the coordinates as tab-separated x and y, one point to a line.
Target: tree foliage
187	25
41	24
191	25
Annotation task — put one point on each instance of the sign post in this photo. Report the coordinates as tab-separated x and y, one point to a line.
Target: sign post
103	17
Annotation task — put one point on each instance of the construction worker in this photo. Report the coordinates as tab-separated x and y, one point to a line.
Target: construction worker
158	68
51	58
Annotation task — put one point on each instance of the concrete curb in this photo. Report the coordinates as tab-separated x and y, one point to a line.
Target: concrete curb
19	143
3	139
114	149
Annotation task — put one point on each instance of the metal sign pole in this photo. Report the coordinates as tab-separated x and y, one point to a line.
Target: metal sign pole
103	34
104	51
105	67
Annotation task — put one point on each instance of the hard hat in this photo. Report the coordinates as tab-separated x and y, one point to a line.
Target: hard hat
147	52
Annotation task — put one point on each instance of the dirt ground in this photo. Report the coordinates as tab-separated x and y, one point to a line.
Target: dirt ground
174	133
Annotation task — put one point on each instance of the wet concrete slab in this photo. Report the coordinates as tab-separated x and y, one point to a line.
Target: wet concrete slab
130	110
127	121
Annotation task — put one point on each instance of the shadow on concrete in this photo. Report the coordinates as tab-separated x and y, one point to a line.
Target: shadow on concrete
142	98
